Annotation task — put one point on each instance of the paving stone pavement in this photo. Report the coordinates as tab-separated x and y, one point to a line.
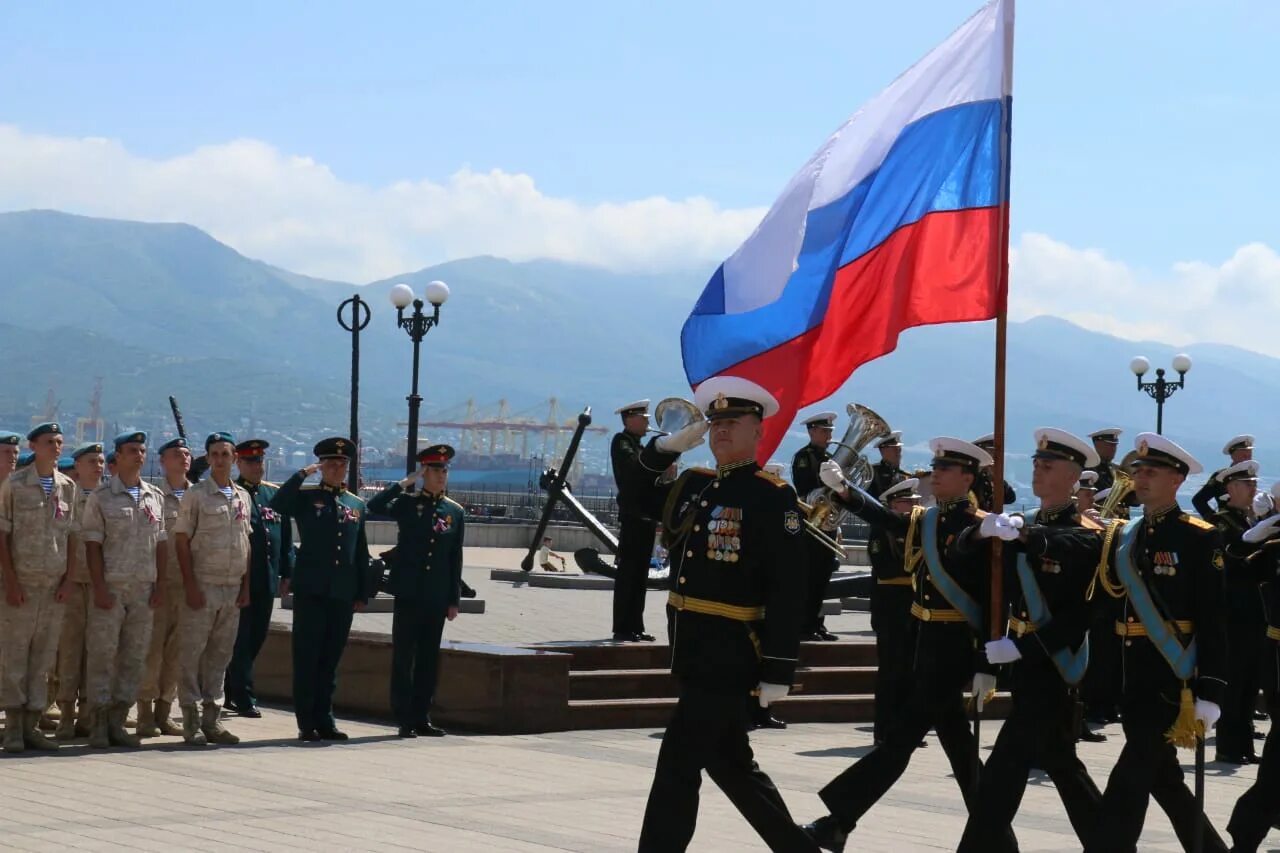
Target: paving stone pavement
576	791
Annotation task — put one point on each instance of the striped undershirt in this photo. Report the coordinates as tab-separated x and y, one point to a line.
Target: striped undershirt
46	483
135	492
227	490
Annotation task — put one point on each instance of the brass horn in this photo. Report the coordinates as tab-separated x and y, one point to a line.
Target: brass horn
865	427
674	414
1121	488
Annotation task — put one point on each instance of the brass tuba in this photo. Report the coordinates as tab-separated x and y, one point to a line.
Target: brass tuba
674	414
1121	488
824	515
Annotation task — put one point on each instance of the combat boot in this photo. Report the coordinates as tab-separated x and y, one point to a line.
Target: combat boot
163	723
213	729
32	737
147	720
115	715
98	737
13	721
67	722
191	726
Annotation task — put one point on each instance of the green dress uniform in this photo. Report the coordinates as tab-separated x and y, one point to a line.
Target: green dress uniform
271	545
820	562
329	578
426	580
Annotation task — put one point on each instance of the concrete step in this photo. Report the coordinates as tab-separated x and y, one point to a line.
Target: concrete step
802	708
658	683
605	654
386	604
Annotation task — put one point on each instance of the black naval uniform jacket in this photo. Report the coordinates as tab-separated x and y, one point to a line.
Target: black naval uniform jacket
886	550
1212	491
333	561
734	538
984	490
1062	550
270	540
1240	575
1264	562
1179	559
628	474
804	468
884	475
429	535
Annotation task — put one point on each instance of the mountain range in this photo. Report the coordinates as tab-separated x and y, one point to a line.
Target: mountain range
159	309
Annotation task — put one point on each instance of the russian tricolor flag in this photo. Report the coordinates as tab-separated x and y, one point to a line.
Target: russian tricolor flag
900	219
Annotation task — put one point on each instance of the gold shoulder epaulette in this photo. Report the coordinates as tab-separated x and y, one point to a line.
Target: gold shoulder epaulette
1196	522
269	483
770	477
1089	524
708	471
310	487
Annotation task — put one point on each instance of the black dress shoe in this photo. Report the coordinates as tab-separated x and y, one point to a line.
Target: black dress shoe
332	733
1260	716
309	736
466	591
825	635
642	637
827	834
1259	736
248	709
428	729
1089	736
1234	758
623	637
406	731
765	720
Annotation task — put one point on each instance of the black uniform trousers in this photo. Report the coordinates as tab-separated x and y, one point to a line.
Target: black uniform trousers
1147	768
1103	680
416	628
635	550
255	622
820	565
942	667
1246	634
1040	732
892	623
709	732
320	628
1259	806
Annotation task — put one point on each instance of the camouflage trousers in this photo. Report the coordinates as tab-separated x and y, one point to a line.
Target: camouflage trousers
164	657
117	640
206	638
71	654
28	645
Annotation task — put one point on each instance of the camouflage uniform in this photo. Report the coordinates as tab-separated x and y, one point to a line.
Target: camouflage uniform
38	527
160	681
75	615
218	528
117	639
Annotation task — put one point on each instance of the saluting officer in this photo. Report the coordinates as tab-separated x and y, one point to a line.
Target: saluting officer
271	564
733	535
820	562
9	451
160	683
426	578
891	606
329	584
1258	807
1167	567
77	596
1240	449
1105	443
888	471
212	535
984	489
636	529
124	532
949	590
1086	489
1048	568
37	512
1246	622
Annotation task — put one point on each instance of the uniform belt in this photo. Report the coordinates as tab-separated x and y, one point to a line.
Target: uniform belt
924	614
1022	627
1137	629
1273	633
736	612
894	582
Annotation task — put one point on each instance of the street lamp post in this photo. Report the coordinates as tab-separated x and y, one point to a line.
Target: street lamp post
1161	389
417	325
359	319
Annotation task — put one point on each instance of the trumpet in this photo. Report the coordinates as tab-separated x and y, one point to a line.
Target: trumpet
827	541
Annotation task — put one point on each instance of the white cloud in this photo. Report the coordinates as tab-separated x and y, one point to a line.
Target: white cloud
1233	302
296	213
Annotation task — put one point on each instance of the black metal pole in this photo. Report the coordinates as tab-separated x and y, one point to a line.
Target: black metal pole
415	400
357	323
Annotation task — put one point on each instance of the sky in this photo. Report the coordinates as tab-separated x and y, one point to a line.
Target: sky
358	144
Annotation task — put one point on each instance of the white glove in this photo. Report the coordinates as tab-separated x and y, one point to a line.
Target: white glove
1263	530
983	683
1009	528
1208	713
832	476
683	439
770	693
1002	650
1263	504
990	524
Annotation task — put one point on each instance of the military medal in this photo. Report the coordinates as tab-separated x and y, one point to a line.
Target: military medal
724	542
